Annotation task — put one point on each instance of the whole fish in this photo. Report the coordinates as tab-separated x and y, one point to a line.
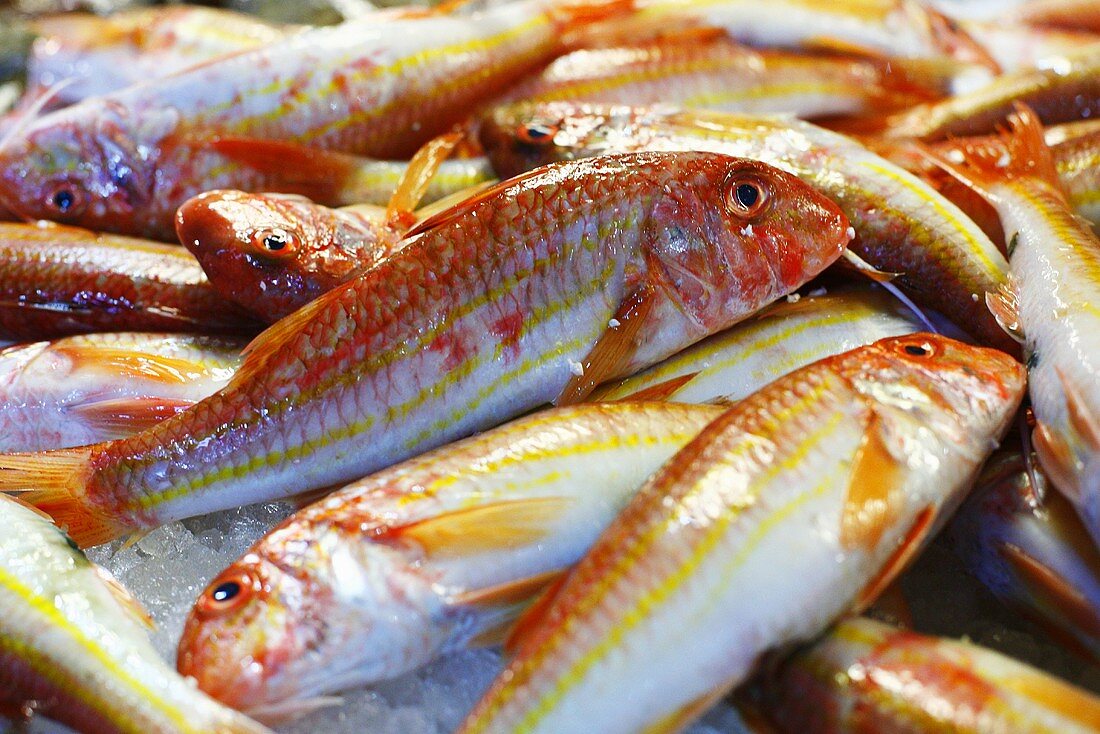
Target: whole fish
97	55
866	676
718	74
786	336
534	291
57	280
902	225
97	387
74	644
1066	89
1052	302
1029	548
260	120
878	28
429	556
273	253
798	504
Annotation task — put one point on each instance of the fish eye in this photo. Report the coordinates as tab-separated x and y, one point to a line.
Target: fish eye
64	199
276	241
918	349
537	132
227	594
746	196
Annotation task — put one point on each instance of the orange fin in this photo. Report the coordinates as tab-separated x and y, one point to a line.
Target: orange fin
571	15
872	503
124	416
1047	585
318	174
662	390
533	620
1005	307
128	363
893	603
418	175
1081	418
498	526
125	599
1020	153
955	41
53	481
511	593
897	562
1056	458
613	350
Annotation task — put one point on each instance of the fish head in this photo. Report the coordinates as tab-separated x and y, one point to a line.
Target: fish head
307	612
526	135
271	253
725	236
92	164
942	386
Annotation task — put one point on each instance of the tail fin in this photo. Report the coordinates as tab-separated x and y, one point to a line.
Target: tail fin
55	482
1021	152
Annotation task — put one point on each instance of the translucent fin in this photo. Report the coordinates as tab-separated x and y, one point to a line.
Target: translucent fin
498	526
872	504
1043	583
129	363
518	591
898	561
418	175
614	349
125	599
126	416
534	618
662	390
1056	458
1005	307
54	482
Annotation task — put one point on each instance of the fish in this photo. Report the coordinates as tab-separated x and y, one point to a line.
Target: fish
1072	14
1077	160
532	292
944	261
432	555
57	280
788	335
267	119
74	645
1024	542
271	254
797	505
98	387
96	55
718	74
1052	302
868	676
1064	90
896	29
1016	46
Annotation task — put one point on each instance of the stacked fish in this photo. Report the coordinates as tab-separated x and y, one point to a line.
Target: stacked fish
565	330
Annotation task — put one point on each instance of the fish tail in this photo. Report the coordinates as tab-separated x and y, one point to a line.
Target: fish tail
55	482
950	38
1017	153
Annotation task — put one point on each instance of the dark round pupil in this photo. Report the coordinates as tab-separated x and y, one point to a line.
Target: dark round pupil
64	200
747	195
275	241
538	132
915	350
226	591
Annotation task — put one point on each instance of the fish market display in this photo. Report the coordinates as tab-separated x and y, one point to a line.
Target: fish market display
718	74
429	556
868	676
84	282
535	365
495	307
74	644
902	225
738	362
274	253
1051	302
806	497
1026	544
380	85
97	387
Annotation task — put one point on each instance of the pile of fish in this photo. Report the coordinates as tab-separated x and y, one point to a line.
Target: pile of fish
648	340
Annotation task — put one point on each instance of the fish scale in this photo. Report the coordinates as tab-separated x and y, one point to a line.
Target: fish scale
405	357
